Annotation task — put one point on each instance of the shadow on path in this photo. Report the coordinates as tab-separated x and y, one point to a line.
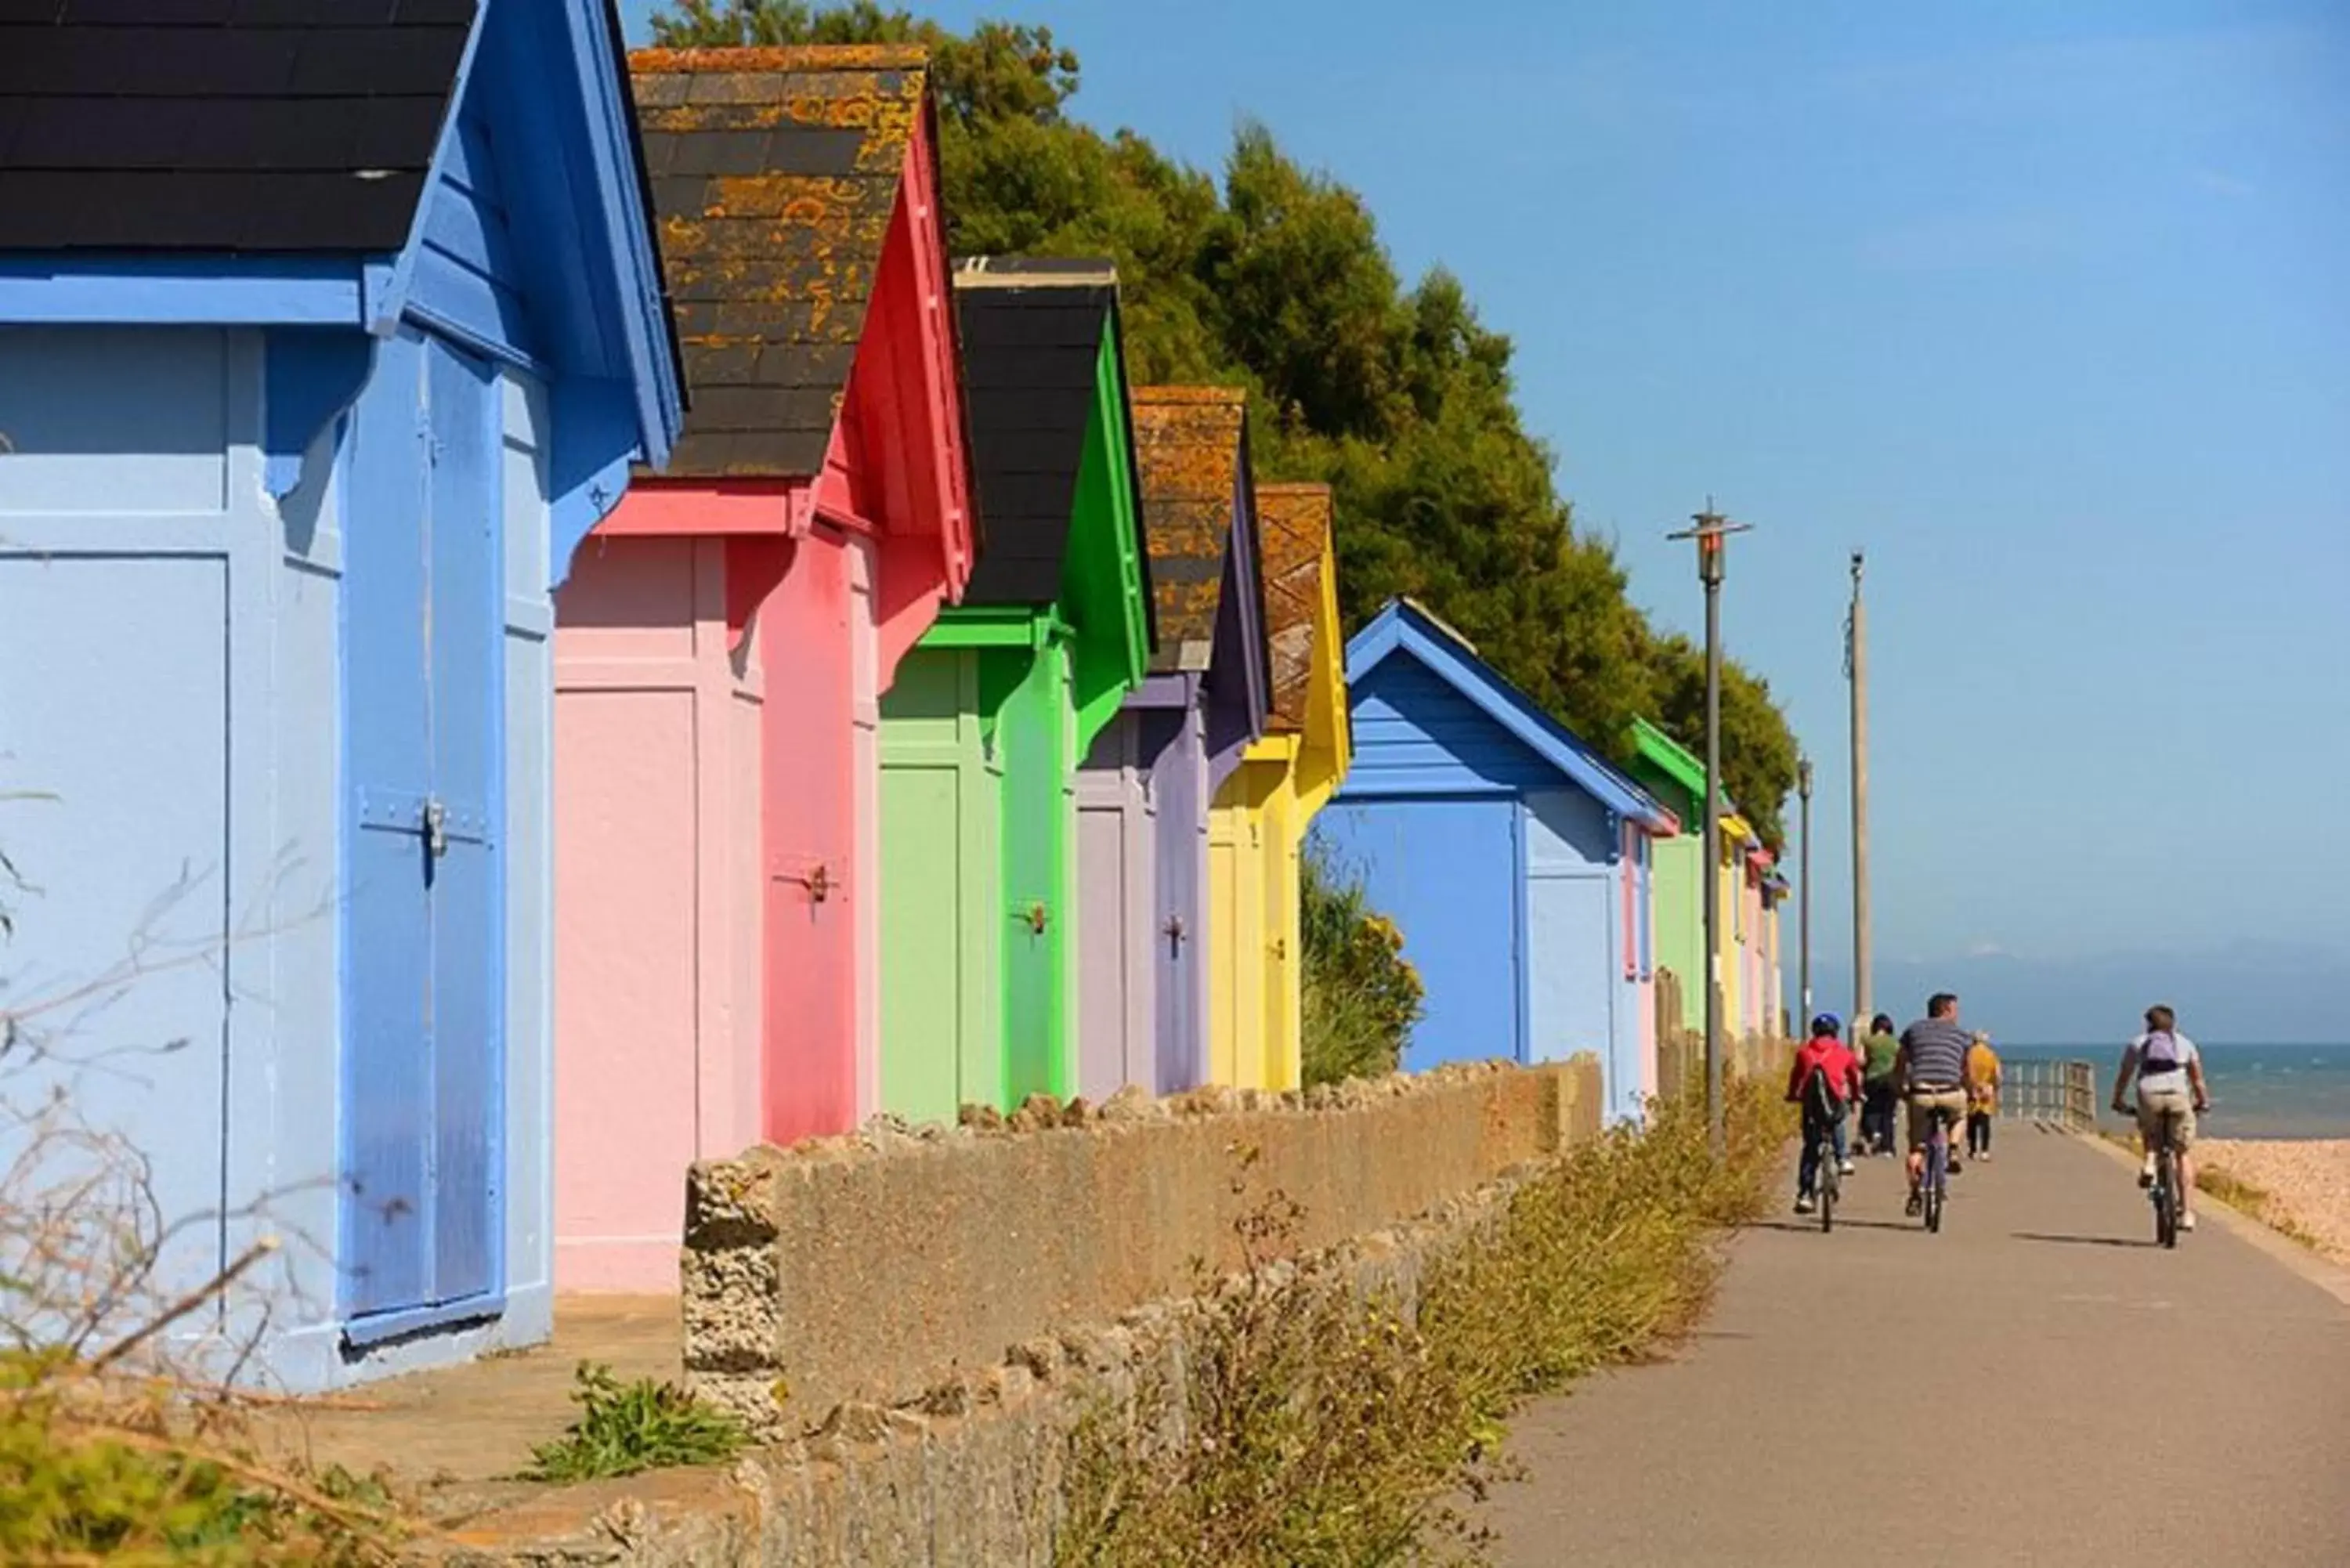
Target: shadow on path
2084	1240
1800	1226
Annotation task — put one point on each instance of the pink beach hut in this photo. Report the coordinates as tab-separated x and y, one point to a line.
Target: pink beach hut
725	635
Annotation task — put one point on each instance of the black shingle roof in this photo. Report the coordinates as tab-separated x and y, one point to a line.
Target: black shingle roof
1032	337
220	125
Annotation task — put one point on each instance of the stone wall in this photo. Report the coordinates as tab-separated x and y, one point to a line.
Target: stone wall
875	1269
972	1470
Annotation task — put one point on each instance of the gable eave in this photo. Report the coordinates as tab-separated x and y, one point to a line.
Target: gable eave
617	163
946	414
617	222
1245	547
1329	729
1401	629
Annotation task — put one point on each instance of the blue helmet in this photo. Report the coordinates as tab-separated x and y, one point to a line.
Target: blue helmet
1826	1023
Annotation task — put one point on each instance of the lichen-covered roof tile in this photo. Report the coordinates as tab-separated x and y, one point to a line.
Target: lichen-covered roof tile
1293	522
776	174
1187	443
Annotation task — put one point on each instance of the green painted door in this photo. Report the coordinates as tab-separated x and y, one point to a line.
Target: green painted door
940	892
1029	692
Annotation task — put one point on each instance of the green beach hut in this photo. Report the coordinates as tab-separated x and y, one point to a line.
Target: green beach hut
1666	770
991	712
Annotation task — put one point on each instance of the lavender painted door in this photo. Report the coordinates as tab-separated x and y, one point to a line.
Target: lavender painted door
1178	783
1118	935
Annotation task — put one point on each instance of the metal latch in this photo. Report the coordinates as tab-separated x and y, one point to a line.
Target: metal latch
436	829
819	881
1174	933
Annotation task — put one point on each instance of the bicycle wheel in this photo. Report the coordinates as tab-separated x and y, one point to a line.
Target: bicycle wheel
2165	1198
1831	1181
1938	1153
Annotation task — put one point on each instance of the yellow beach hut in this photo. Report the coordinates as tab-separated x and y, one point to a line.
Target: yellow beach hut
1257	824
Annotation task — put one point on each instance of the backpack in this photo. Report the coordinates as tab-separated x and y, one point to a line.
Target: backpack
2160	1054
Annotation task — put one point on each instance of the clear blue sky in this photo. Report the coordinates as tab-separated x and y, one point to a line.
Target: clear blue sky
2047	306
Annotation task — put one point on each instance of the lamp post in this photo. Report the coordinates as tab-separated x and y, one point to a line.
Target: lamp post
1711	531
1804	909
1855	669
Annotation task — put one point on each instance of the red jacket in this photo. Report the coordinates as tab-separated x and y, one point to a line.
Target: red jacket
1831	1056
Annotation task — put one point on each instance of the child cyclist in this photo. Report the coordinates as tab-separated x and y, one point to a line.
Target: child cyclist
1825	1078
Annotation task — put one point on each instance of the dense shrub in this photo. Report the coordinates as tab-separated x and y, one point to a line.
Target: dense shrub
1362	995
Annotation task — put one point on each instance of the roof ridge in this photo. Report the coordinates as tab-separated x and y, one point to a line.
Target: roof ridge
781	57
1034	272
1440	623
1237	395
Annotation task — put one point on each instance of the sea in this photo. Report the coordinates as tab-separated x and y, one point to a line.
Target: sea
2257	1091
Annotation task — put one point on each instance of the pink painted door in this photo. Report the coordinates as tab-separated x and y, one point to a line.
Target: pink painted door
818	896
657	976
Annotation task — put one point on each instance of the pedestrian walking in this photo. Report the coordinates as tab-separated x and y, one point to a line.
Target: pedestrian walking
1982	1095
1879	1093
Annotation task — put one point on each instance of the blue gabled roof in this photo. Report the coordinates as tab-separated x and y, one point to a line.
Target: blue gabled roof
1404	628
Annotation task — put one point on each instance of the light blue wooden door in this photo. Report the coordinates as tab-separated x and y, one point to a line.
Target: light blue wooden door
116	664
465	652
422	1033
1446	872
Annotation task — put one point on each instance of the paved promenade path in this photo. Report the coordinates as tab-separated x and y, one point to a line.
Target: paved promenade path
2037	1384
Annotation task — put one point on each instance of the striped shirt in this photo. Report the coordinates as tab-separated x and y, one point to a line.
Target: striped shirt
1938	1053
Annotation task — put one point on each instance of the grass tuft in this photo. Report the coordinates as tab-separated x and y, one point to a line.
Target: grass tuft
626	1428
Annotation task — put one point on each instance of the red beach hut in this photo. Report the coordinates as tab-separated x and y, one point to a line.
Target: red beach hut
725	635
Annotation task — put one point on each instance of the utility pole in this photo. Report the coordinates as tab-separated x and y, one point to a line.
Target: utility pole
1711	531
1856	668
1804	909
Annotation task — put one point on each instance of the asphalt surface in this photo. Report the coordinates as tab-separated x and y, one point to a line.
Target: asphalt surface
2038	1383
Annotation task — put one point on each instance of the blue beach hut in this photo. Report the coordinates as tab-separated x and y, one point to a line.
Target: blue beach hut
1513	858
327	331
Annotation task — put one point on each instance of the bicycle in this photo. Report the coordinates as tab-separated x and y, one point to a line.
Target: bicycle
1825	1115
1934	1183
2168	1202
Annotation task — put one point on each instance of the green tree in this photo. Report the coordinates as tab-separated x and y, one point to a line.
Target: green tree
1273	278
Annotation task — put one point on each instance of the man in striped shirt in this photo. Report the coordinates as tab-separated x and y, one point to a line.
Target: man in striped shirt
1931	1068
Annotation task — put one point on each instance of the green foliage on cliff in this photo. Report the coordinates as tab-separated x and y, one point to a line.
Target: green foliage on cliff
1274	278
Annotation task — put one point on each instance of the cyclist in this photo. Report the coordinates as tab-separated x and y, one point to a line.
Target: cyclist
1824	1080
2169	1072
1931	1069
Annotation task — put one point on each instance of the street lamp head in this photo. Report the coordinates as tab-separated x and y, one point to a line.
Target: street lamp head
1804	777
1710	529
